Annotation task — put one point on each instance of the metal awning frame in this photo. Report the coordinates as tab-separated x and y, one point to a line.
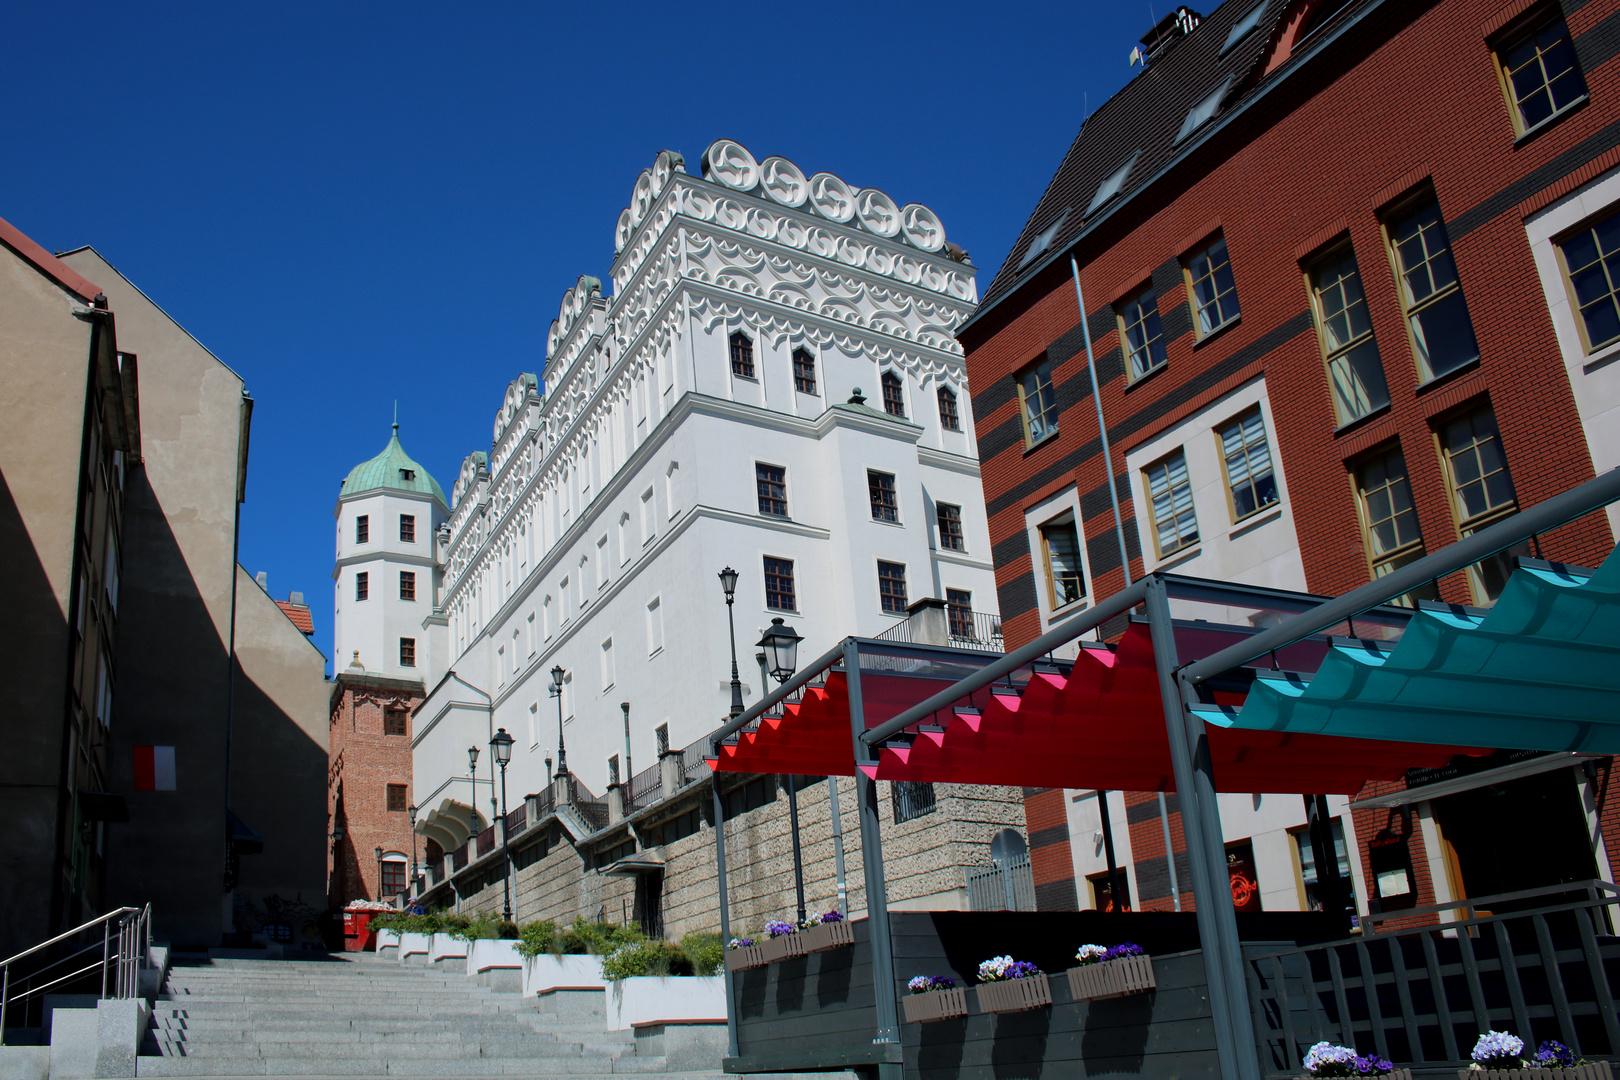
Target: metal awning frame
1474	781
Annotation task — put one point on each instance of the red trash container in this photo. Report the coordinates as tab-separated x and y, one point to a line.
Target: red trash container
357	933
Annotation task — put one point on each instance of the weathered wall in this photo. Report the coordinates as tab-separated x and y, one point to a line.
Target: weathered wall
364	760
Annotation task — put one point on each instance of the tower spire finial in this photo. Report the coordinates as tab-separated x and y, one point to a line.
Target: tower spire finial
396	414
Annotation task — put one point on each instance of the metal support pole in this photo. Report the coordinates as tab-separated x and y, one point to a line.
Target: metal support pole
877	903
629	770
1115	893
1330	888
1169	852
798	858
838	844
725	909
1237	986
506	852
1206	883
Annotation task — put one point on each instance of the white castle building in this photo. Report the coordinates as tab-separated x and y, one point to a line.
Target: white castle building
705	414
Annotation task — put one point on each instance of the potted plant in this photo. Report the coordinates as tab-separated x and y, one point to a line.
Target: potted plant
1008	985
831	930
782	941
1101	972
933	997
1327	1060
742	954
1499	1055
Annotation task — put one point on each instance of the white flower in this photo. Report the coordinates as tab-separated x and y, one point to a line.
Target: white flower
1089	953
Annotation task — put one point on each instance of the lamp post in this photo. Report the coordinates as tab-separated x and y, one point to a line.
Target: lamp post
472	803
501	747
416	881
781	645
379	874
557	676
728	582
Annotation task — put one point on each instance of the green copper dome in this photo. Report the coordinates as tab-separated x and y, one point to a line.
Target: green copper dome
393	469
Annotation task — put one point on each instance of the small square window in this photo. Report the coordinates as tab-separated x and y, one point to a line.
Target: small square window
394	720
804	371
362	529
1541	74
950	527
1170	499
396	797
742	356
1142	334
949	418
362	586
880	489
407	528
407	585
892	587
779	591
1591	259
770	481
1211	288
407	652
1037	401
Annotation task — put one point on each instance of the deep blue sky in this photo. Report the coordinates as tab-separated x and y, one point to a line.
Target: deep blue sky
352	203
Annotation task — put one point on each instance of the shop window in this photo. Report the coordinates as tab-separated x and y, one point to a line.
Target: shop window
1170	501
1140	330
950	527
779	591
1245	882
894	395
1251	483
804	371
1355	370
742	356
1211	288
1437	319
770	482
1591	264
1037	403
1060	551
1541	75
911	800
892	587
1309	873
1390	858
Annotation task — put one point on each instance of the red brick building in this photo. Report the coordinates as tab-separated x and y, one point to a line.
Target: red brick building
369	785
1344	264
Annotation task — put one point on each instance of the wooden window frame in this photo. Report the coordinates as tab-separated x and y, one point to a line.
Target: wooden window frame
362	586
950	417
948	520
741	349
1569	281
407	652
1035	369
1159	552
1528	25
770	491
1217	431
959	613
390	791
407	528
887	509
791	593
1124	326
362	529
894	404
884	597
1403	553
407	585
1190	284
804	371
1068	518
396	720
1330	353
1410	204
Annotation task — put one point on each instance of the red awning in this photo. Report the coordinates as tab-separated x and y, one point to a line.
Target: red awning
1100	726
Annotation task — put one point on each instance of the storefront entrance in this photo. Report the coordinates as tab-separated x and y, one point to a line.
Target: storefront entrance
1519	834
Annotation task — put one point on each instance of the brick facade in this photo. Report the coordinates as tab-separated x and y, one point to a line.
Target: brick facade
1407	98
364	760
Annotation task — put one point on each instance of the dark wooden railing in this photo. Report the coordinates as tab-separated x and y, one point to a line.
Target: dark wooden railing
1421	995
486	842
458	858
517	820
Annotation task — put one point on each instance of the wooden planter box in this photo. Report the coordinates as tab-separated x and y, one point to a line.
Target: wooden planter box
1111	978
749	956
1598	1070
783	948
934	1005
1405	1074
827	935
1015	995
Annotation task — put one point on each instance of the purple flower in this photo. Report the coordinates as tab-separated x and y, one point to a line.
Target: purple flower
1124	948
778	928
832	916
1553	1054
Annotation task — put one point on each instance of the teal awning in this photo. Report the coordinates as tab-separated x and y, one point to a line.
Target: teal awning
1539	671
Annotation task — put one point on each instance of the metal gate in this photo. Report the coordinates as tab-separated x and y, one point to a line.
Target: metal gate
1009	886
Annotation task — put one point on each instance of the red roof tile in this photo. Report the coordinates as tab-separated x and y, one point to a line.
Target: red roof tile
299	614
52	267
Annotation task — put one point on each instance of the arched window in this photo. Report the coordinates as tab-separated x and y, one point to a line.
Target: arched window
894	399
742	355
804	371
948	418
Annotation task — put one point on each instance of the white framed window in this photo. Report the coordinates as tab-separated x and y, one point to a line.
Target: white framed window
624	538
531	641
648	520
545	619
534	724
601	562
670	479
607	665
655	626
500	666
1170	501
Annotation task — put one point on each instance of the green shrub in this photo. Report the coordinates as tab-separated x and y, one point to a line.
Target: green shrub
484	926
704	951
431	923
597	939
642	958
536	938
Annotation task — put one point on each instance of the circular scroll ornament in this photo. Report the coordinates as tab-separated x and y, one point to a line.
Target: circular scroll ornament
731	164
783	181
831	198
922	227
877	212
661	170
621	234
642	197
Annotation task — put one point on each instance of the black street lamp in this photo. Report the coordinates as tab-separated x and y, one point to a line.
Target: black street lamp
501	747
557	675
472	804
781	645
728	582
379	874
416	879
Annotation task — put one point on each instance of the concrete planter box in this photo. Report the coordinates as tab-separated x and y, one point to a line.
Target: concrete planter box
824	936
497	965
1596	1071
644	1000
546	973
445	950
935	1005
415	948
1111	978
1014	995
749	956
782	948
388	944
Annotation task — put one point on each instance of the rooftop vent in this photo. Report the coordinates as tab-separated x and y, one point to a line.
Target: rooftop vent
1165	33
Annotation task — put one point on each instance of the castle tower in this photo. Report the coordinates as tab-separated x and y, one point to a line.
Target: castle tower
386	581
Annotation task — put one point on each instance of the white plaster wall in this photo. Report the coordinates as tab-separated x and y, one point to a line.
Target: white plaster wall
1594	378
375	625
1262	549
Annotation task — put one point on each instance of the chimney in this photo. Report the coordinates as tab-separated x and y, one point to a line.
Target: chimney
296	598
263	578
1164	35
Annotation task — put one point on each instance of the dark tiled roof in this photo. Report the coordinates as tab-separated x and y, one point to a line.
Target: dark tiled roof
1143	119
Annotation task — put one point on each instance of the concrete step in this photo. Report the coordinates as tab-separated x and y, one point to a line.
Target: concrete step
581	1069
347	1035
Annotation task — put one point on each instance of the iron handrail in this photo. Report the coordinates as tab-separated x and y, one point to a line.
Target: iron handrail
121	958
1472	904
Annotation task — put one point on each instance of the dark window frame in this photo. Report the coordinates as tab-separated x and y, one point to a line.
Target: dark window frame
742	355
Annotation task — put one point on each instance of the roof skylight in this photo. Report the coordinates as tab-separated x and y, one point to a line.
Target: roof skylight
1043	240
1111	186
1201	113
1241	28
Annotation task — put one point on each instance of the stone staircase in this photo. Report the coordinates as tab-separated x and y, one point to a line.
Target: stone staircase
361	1016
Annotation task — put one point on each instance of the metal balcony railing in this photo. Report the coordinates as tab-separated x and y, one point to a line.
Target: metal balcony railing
486	842
644	789
516	819
977	630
